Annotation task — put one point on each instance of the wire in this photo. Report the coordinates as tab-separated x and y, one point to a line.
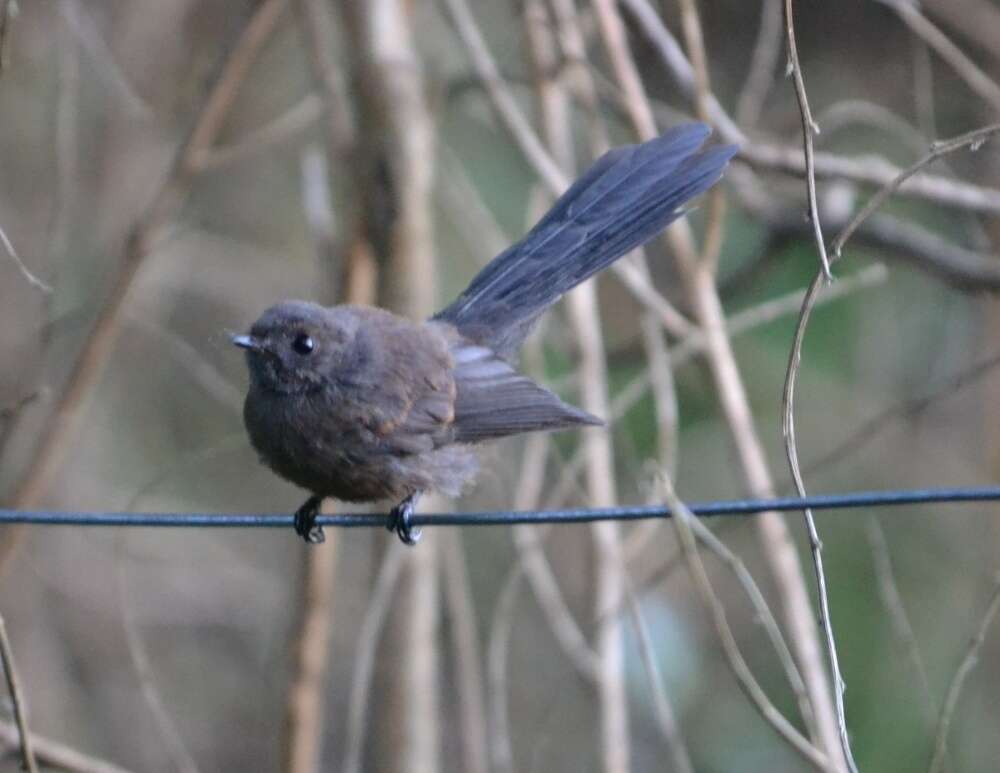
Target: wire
850	500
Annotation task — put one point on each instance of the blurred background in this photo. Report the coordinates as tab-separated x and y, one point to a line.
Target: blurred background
169	169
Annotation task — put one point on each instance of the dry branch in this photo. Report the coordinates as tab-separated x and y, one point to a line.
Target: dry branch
89	365
17	700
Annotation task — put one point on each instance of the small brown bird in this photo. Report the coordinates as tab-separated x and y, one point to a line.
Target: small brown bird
359	404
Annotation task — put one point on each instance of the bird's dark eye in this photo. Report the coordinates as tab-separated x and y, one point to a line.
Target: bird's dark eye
303	343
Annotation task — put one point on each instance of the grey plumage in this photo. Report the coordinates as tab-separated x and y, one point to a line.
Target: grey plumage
360	404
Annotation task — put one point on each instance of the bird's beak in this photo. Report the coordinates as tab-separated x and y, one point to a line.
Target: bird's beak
246	342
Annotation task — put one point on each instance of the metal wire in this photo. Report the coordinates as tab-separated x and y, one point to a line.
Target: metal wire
850	500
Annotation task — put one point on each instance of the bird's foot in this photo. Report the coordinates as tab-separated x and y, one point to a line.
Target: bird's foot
305	521
400	520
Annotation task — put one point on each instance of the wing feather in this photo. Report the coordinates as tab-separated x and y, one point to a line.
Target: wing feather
493	400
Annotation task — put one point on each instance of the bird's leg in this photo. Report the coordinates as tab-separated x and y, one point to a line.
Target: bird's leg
305	521
400	517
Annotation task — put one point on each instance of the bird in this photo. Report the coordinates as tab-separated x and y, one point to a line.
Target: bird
359	404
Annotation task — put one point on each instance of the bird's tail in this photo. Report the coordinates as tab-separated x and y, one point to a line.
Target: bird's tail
628	196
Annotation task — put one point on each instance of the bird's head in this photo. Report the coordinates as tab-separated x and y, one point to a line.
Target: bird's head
295	346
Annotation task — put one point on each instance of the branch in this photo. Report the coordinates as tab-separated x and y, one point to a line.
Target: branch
17	700
958	681
809	128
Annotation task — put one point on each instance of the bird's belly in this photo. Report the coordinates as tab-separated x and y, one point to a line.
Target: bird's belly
348	462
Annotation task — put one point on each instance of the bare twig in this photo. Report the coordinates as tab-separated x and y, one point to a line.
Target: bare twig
764	615
791	450
958	681
58	755
973	140
809	128
17	700
744	676
31	279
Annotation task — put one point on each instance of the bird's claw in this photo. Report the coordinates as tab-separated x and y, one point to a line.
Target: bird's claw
400	521
305	521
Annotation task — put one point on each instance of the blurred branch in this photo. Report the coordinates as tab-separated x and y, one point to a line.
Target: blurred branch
695	43
33	280
958	681
498	650
89	365
662	708
305	702
534	565
977	20
585	320
467	650
687	349
977	80
290	124
366	652
392	166
763	63
868	170
17	700
909	242
659	316
9	10
888	590
178	754
734	402
55	754
744	676
871	428
81	24
536	154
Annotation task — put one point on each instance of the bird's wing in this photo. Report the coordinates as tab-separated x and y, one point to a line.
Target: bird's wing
412	385
493	400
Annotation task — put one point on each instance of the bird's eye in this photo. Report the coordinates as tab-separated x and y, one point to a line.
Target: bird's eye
303	343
